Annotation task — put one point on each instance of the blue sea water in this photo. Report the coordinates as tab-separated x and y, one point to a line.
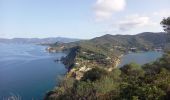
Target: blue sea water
28	71
140	58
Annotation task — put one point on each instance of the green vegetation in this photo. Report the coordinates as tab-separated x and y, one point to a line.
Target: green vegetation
117	44
80	60
131	82
90	77
166	21
166	24
94	74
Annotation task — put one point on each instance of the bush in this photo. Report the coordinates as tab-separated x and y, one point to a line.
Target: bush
132	69
94	74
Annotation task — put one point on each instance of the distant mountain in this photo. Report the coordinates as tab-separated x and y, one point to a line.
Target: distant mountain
38	40
142	41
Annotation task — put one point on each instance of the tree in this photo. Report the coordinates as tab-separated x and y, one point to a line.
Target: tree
94	74
166	24
132	70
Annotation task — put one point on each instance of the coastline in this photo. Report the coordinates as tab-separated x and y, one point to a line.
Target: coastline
75	68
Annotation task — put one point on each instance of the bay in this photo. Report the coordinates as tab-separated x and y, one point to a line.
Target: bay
140	58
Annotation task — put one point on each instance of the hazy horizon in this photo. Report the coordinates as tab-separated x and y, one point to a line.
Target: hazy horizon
75	37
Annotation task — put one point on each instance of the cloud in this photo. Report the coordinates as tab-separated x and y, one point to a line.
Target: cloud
162	13
104	9
140	21
134	21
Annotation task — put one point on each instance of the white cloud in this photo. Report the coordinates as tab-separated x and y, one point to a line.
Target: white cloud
135	21
162	13
138	21
104	9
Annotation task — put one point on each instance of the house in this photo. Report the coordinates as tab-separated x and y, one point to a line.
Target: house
133	49
159	49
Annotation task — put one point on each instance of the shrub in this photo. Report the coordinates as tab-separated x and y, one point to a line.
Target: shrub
94	74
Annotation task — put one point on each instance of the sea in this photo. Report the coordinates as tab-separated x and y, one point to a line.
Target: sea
28	71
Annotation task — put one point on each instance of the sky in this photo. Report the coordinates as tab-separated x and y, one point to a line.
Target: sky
82	19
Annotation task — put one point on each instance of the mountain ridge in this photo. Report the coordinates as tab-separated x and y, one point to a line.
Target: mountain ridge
142	41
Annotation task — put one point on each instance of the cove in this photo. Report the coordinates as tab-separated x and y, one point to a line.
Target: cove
140	58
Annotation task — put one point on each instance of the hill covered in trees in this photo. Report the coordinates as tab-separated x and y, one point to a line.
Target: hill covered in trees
105	51
143	41
93	75
131	82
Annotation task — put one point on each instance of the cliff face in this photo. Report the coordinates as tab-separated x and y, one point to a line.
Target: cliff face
69	60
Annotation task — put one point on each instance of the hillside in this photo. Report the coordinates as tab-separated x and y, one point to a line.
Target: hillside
140	41
131	82
93	73
121	43
105	51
